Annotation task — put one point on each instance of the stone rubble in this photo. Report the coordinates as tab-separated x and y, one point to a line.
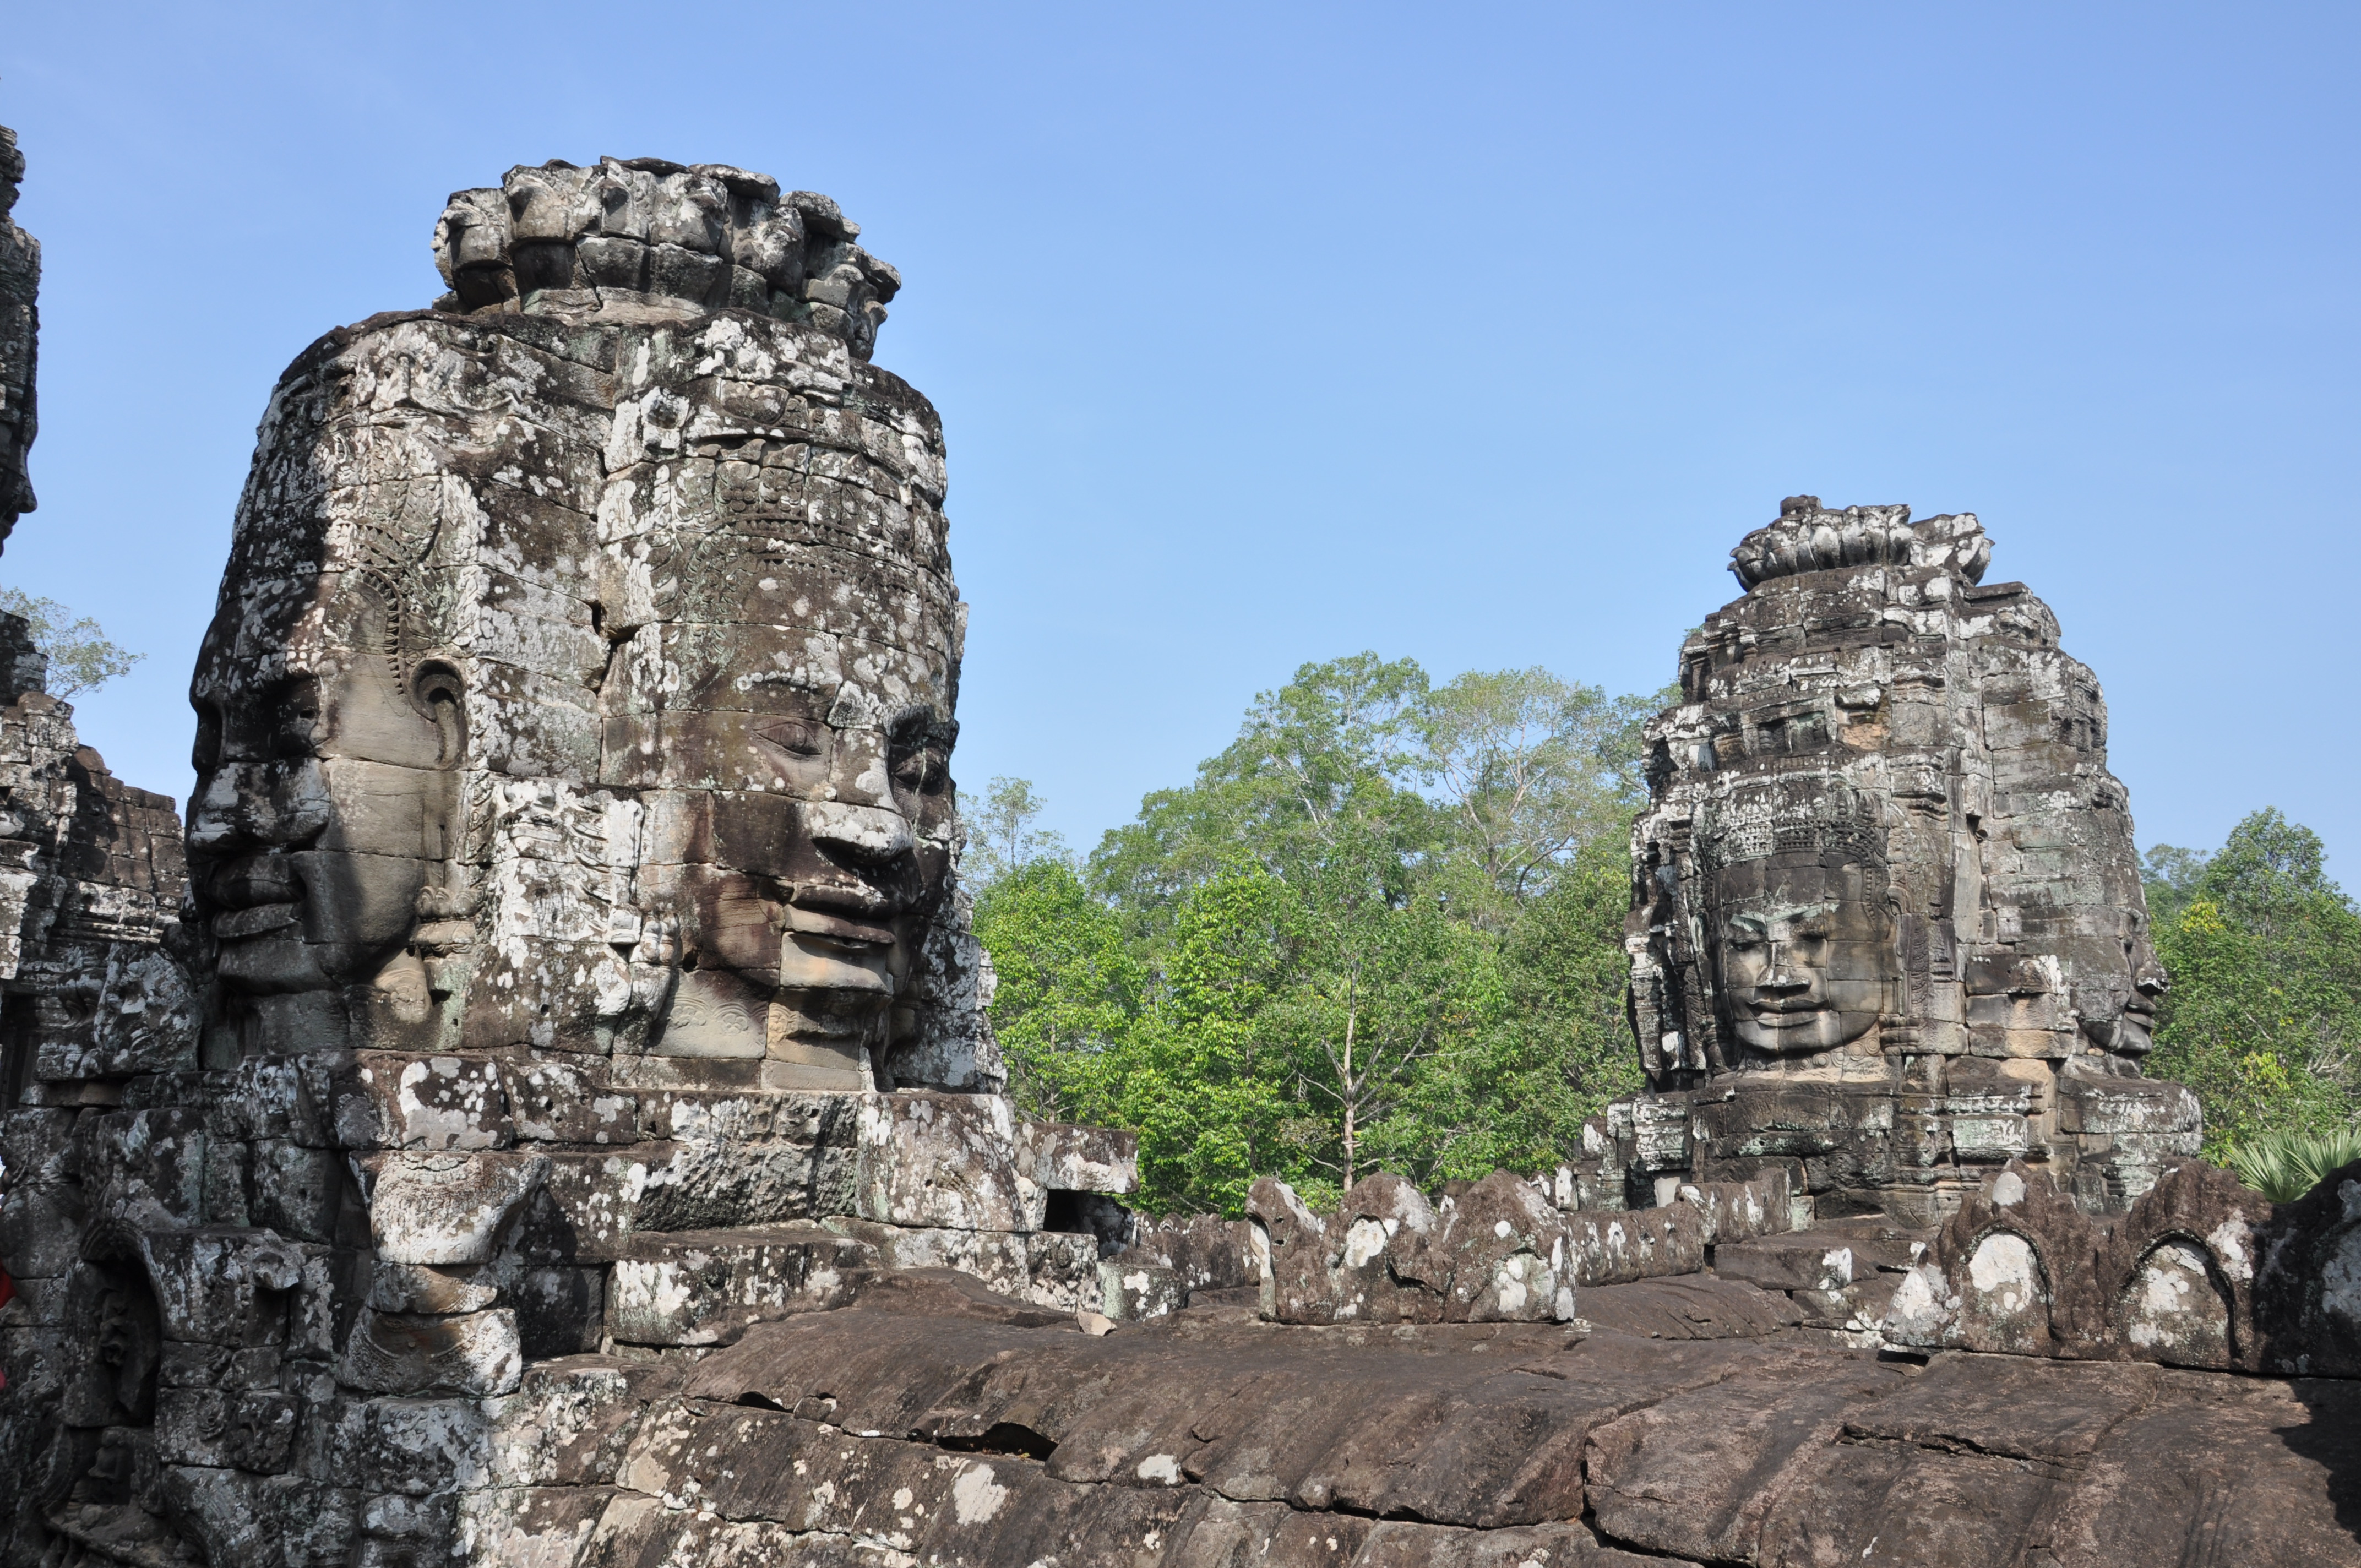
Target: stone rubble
554	1119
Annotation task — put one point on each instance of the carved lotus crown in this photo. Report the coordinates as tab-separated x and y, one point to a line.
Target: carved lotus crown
645	231
1810	537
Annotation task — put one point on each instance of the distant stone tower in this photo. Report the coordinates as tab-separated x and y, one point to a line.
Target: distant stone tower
1886	913
95	1012
20	325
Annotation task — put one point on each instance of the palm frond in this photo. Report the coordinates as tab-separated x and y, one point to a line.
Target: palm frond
2284	1167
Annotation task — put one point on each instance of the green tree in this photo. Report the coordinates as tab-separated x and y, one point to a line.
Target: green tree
2169	875
1002	838
1383	927
80	658
2264	1014
1315	797
1385	998
1556	1044
1201	1077
1068	989
1530	768
1314	790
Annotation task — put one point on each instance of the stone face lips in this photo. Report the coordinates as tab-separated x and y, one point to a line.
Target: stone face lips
1886	915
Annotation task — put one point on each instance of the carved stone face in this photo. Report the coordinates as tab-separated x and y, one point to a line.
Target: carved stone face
2116	995
807	770
1804	952
325	804
815	895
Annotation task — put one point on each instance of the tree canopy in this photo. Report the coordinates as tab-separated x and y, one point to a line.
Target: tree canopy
1382	927
2263	1018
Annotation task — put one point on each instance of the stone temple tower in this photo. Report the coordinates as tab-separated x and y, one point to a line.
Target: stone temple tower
1886	914
574	963
94	999
20	322
559	1126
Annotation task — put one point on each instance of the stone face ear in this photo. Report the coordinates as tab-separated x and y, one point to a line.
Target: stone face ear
440	689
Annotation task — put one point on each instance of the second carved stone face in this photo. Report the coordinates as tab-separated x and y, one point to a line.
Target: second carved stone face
2115	996
817	883
325	806
1803	950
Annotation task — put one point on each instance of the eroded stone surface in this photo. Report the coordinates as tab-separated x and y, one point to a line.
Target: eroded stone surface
20	325
950	1436
2200	1272
568	1132
1887	922
98	1065
648	238
578	960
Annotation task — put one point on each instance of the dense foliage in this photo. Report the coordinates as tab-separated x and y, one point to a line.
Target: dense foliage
1382	929
2263	1016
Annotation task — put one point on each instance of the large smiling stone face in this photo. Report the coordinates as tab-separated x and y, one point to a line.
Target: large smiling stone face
1804	952
785	717
804	831
585	667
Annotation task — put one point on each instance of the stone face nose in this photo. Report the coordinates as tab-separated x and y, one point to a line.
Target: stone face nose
858	773
214	814
866	835
255	805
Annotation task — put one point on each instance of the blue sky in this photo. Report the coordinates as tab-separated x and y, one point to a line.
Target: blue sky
1268	333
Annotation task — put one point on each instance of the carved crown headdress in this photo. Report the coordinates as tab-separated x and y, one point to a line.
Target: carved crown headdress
1817	816
390	566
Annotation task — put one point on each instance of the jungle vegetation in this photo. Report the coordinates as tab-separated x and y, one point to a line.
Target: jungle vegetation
1383	929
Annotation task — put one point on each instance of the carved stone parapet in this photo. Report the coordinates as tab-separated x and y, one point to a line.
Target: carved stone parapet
2200	1271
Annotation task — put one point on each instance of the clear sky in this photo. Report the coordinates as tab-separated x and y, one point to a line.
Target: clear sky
1270	332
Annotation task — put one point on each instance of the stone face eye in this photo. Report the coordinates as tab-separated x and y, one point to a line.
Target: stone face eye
918	767
294	716
921	749
795	737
